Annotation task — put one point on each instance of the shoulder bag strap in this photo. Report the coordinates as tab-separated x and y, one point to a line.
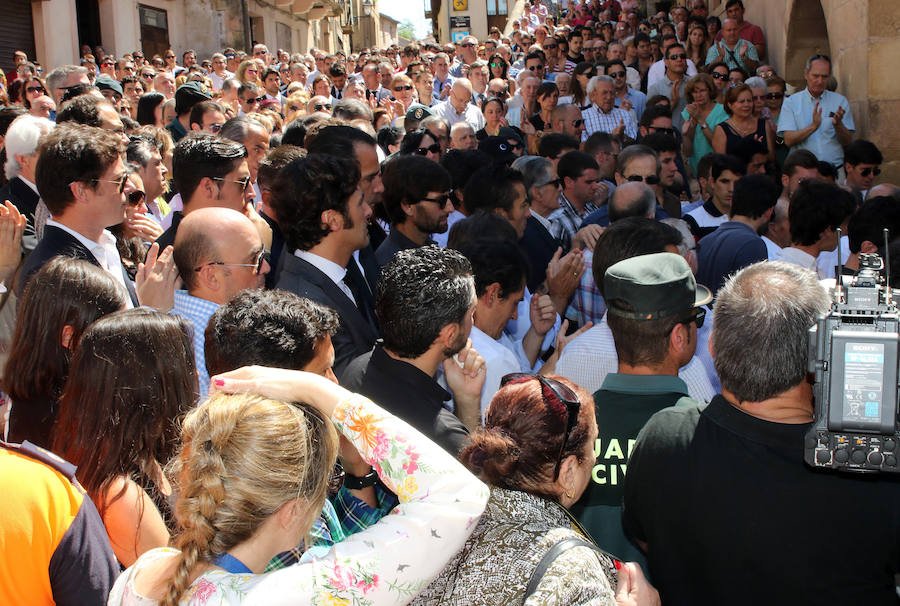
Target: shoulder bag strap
551	555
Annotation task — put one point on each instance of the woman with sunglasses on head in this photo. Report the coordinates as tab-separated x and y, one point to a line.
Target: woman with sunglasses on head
742	124
131	378
701	115
536	452
253	471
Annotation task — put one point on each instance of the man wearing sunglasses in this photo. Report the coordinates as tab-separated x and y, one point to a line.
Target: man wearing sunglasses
218	253
654	312
416	198
674	82
566	119
862	163
208	172
657	71
626	97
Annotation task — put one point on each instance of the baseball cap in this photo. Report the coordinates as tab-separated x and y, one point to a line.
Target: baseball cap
107	83
498	148
188	95
654	286
419	112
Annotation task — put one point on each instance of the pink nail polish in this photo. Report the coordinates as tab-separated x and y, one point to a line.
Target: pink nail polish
219	382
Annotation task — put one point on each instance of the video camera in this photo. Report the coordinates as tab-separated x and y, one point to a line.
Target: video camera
853	353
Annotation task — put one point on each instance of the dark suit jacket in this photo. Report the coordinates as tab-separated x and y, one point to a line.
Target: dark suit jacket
58	242
356	335
167	238
539	246
25	199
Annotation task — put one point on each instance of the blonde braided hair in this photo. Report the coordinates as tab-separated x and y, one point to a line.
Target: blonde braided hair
242	457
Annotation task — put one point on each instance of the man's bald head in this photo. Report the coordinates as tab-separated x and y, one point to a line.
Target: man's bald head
204	236
632	199
883	189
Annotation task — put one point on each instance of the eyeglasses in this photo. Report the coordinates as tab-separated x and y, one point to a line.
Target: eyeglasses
261	257
562	394
497	93
697	318
649	179
434	148
397	89
535	68
677	56
555	182
170	56
719	76
259	53
244	182
254	100
320	106
616	75
550	46
251	71
515	145
496	64
120	181
136	197
759	97
214	128
577	123
440	201
870	171
774	96
107	64
467	45
35	89
147	76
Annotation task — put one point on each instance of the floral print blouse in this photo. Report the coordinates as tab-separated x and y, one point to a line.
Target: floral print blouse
388	563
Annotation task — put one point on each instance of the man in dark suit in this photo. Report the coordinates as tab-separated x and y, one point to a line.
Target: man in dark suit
323	214
82	179
21	147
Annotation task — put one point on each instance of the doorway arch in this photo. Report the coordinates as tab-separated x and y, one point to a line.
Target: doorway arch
807	35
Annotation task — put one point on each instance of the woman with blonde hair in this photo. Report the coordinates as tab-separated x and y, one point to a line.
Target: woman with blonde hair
248	71
253	472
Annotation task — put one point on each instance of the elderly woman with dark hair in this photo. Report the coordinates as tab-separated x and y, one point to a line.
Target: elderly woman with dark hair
536	452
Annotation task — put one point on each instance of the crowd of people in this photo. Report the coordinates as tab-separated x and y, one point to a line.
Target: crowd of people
513	320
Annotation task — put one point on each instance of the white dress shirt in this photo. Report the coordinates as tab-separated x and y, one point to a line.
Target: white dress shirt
471	114
799	257
328	267
499	360
658	71
104	251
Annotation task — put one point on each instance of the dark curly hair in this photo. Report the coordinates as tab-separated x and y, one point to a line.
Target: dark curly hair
306	188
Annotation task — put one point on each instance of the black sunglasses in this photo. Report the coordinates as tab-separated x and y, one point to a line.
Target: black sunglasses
320	106
434	148
403	87
663	131
616	74
649	179
677	56
773	96
120	181
555	182
136	197
697	318
441	201
719	76
535	68
563	394
870	171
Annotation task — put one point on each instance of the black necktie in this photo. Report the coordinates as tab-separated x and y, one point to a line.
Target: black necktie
365	302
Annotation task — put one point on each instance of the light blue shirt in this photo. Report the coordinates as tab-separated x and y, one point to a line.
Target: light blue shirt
198	312
797	114
438	86
638	101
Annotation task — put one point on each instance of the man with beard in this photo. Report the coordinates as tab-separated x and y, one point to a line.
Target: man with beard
417	200
425	302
